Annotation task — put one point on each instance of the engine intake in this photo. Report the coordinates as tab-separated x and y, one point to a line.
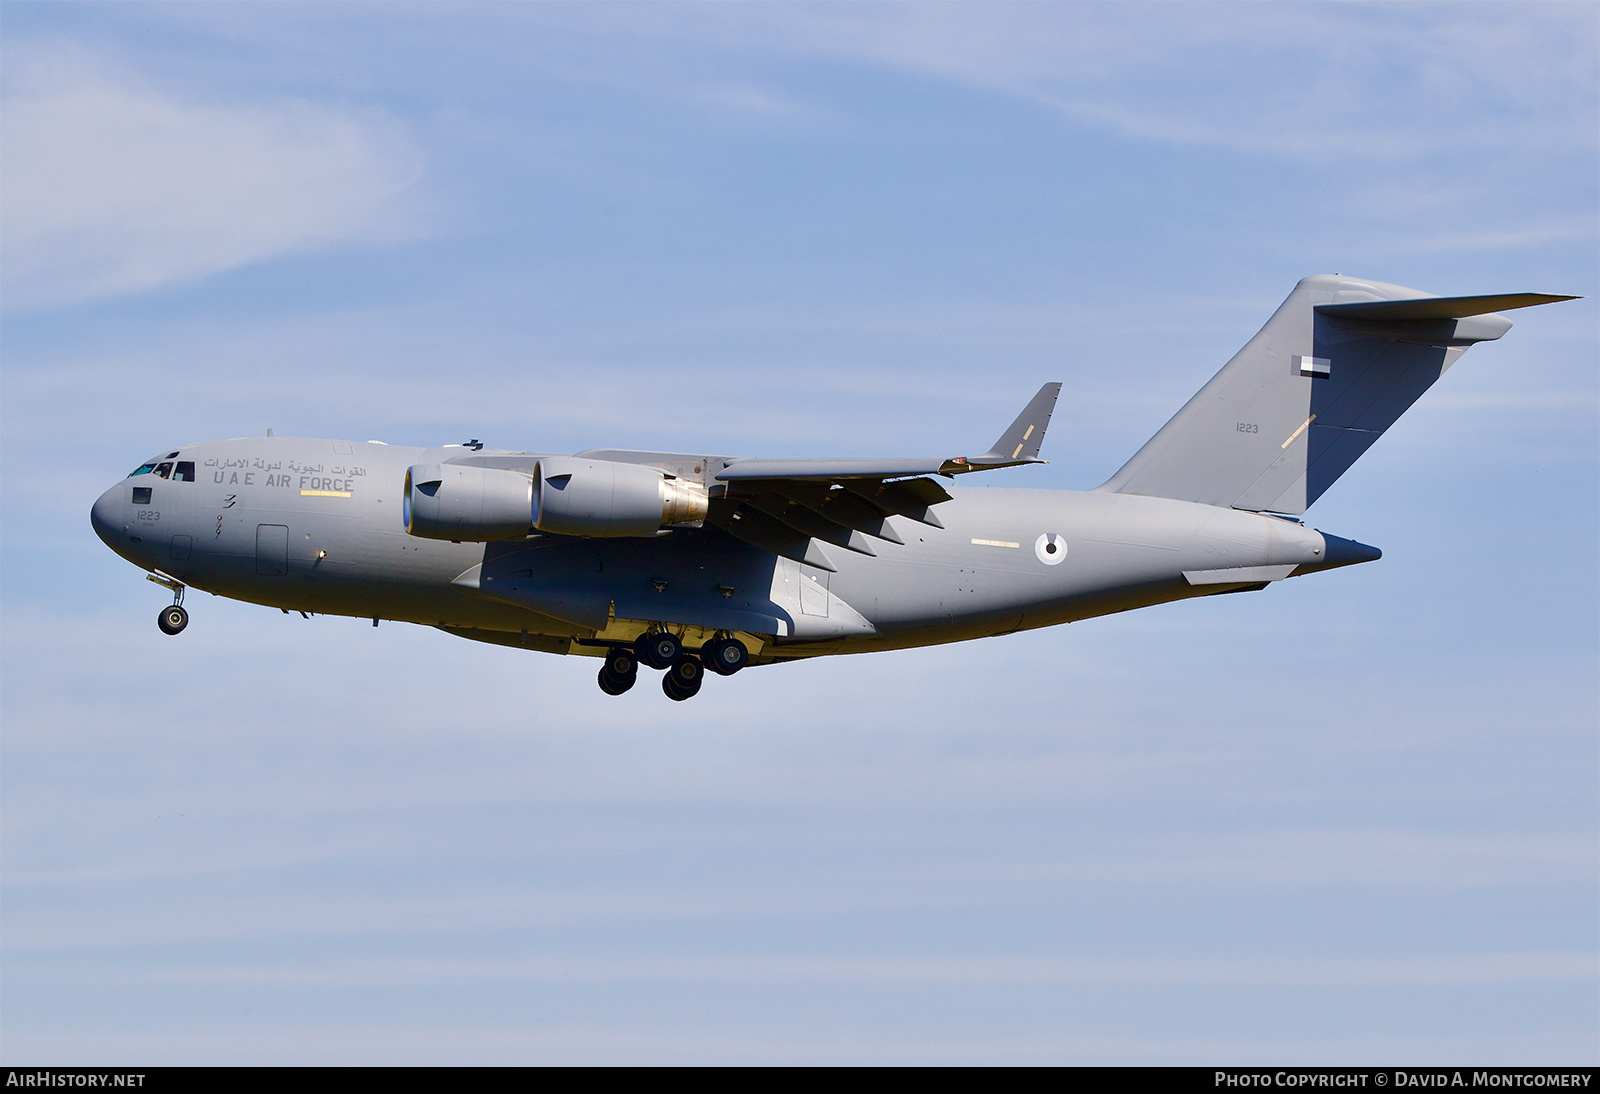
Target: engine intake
578	497
469	504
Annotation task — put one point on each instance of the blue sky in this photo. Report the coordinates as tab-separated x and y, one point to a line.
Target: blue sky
1350	819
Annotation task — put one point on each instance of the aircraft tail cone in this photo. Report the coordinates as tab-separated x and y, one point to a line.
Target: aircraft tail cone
1338	552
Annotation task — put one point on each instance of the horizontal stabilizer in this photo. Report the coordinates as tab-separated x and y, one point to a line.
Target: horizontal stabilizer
1438	307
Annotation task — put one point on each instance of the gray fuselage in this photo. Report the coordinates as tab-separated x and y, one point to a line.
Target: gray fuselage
317	526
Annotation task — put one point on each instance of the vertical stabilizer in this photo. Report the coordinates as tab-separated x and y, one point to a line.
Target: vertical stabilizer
1339	361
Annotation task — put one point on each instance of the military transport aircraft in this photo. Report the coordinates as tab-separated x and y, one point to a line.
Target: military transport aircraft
689	561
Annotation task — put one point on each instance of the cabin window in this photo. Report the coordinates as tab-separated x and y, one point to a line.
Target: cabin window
142	469
141	495
163	470
184	472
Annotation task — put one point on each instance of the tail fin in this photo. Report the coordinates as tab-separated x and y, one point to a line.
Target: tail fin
1337	363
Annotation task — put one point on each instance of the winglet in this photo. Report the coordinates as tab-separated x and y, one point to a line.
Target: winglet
1017	445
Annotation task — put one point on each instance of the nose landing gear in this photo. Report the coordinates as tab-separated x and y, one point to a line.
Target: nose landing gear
173	618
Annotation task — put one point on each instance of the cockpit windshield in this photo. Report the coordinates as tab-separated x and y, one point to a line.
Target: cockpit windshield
180	471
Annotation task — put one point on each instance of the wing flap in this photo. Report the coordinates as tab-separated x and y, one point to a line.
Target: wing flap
910	498
770	534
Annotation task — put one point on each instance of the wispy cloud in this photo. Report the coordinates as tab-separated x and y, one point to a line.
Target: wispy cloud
112	185
1314	81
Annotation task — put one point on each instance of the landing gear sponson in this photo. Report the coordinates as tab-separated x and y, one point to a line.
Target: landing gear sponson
684	669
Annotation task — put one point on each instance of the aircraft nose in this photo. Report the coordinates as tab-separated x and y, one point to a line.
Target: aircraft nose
106	516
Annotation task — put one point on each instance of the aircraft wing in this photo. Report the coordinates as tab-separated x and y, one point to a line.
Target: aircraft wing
793	506
1018	445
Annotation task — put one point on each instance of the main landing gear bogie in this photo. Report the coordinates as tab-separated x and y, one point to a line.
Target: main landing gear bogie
682	681
619	672
725	656
683	670
658	649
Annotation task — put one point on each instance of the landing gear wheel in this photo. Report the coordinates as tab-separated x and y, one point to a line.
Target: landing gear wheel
172	619
683	680
620	671
659	650
612	684
620	661
725	656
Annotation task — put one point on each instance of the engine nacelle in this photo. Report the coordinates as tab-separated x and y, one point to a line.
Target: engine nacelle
580	497
470	504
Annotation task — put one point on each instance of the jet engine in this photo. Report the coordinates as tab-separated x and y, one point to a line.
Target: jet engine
565	496
579	497
470	504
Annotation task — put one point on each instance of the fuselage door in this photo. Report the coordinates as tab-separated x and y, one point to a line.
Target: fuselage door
272	550
814	593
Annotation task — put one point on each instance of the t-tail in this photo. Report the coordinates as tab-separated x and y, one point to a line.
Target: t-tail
1339	361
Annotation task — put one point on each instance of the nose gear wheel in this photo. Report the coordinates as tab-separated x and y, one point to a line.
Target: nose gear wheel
172	619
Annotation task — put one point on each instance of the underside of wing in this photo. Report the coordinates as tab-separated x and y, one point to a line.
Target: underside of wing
799	508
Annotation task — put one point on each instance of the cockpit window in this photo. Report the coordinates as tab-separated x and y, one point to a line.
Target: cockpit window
142	469
163	470
184	471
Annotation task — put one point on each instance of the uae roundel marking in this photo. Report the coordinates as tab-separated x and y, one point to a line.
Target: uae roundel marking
1051	548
